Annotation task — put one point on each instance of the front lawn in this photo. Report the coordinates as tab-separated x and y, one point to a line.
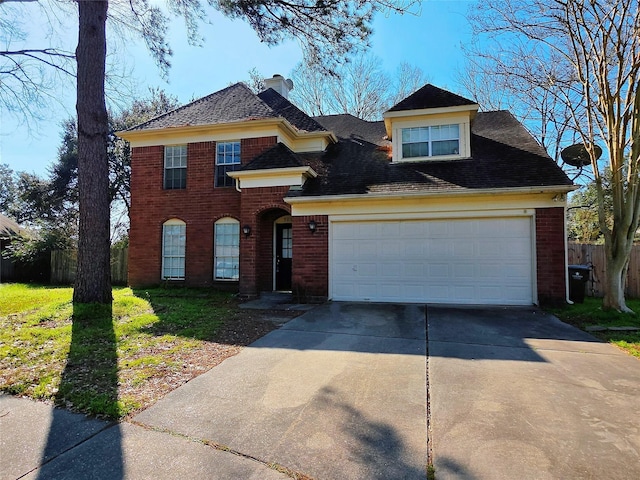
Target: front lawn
112	362
590	314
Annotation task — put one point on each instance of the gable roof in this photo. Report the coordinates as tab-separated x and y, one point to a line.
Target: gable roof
8	227
235	103
284	108
504	156
430	96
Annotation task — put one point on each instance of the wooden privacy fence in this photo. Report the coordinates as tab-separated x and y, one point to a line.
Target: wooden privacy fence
588	254
64	262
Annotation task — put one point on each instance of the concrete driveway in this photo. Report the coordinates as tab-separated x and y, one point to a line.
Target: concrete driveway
515	393
338	393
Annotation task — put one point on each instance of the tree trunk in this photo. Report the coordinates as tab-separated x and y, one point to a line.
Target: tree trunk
616	268
93	282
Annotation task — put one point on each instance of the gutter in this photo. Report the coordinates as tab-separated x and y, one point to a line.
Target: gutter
560	189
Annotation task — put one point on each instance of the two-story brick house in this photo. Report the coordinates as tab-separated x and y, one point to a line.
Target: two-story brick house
437	203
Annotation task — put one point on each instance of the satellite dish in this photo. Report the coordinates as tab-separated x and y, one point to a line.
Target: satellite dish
577	155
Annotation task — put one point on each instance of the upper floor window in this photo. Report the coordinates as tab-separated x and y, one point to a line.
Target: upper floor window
174	242
227	160
430	141
175	167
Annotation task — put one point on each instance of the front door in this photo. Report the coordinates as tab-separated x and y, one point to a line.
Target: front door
284	253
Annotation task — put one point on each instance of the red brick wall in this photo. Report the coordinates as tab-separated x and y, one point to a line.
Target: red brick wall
199	206
550	255
311	259
260	208
250	148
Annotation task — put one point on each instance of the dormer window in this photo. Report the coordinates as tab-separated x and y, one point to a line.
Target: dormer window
431	141
431	124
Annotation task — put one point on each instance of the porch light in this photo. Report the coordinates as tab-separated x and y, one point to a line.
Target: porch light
246	230
312	226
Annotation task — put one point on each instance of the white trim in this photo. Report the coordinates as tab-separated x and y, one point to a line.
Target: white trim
227	131
534	260
464	137
174	222
225	221
461	215
272	177
283	220
431	111
439	193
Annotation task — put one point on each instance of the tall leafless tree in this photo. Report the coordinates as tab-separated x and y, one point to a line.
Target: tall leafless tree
360	87
579	62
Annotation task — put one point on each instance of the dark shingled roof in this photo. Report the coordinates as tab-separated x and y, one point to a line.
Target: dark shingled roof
284	108
430	96
233	104
504	156
347	126
279	156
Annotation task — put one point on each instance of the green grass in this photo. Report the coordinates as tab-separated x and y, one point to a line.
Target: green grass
590	313
97	359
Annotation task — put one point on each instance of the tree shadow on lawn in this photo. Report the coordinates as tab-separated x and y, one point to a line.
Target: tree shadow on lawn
204	314
89	383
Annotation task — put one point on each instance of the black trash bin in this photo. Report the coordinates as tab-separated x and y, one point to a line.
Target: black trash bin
578	278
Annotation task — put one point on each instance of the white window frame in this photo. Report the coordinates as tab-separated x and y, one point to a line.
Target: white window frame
464	137
221	161
175	157
429	140
174	234
228	252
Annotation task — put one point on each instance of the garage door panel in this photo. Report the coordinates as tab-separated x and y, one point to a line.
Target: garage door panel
445	261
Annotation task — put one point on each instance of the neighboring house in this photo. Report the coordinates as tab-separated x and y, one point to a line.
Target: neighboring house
437	203
8	230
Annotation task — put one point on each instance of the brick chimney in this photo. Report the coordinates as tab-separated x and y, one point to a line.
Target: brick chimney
279	84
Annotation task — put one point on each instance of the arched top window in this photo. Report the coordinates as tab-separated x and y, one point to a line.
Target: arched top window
174	242
227	249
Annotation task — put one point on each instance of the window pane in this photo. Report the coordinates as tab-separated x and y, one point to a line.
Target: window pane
175	167
226	249
446	147
173	251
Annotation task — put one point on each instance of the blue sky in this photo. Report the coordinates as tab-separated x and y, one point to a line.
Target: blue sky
431	41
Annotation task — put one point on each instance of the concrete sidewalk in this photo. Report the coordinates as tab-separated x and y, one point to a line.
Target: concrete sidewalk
40	442
515	393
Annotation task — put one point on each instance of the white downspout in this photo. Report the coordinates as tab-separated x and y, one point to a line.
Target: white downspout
566	257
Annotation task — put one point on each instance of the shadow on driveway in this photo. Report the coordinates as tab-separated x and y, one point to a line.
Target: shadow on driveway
517	393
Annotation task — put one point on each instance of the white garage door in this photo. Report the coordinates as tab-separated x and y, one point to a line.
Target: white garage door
469	261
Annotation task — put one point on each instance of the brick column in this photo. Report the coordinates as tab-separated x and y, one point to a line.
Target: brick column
550	255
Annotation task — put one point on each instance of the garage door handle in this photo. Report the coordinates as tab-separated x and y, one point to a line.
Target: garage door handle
355	268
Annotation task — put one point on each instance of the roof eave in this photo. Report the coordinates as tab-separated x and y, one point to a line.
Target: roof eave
439	193
139	135
270	172
389	116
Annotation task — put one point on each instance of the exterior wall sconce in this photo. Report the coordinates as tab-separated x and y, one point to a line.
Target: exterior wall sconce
312	226
246	230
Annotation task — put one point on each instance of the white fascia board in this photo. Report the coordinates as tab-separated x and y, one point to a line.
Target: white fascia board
223	131
273	177
389	117
440	193
431	111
